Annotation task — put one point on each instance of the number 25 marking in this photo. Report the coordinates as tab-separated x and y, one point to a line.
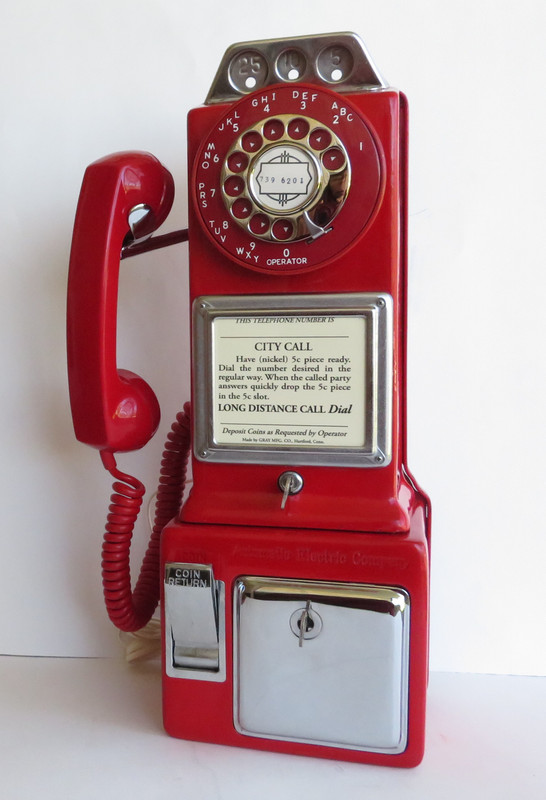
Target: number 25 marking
248	66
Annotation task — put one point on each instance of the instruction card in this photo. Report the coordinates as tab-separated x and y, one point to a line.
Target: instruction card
289	380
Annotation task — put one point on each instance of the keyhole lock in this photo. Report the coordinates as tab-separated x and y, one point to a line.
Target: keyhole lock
305	623
289	483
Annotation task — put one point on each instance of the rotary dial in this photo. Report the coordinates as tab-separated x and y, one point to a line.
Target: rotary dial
286	181
285	178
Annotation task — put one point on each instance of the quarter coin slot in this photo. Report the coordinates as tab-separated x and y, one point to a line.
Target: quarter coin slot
248	70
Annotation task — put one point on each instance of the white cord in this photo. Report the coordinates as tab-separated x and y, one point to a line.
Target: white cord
142	645
151	510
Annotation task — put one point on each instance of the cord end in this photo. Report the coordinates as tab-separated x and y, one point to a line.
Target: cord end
108	460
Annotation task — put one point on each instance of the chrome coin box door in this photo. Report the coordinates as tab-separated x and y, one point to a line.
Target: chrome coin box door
322	663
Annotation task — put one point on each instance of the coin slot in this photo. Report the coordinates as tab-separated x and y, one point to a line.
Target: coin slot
291	65
335	64
247	71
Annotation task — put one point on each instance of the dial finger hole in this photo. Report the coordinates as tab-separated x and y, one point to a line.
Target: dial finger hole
282	230
241	208
237	162
234	186
333	159
259	224
273	129
320	138
298	128
252	141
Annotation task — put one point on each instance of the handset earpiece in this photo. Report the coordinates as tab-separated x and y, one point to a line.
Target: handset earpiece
112	410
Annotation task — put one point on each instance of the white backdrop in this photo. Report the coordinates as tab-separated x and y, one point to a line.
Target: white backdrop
82	80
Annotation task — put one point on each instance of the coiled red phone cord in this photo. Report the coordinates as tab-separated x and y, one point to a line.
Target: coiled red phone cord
130	610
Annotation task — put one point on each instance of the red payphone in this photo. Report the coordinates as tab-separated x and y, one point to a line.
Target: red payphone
294	578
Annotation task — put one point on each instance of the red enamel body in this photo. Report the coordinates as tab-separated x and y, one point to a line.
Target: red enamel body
349	524
297	211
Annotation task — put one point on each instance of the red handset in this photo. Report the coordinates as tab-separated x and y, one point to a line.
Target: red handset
113	410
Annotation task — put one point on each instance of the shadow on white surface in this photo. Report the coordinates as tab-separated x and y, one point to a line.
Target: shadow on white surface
91	728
